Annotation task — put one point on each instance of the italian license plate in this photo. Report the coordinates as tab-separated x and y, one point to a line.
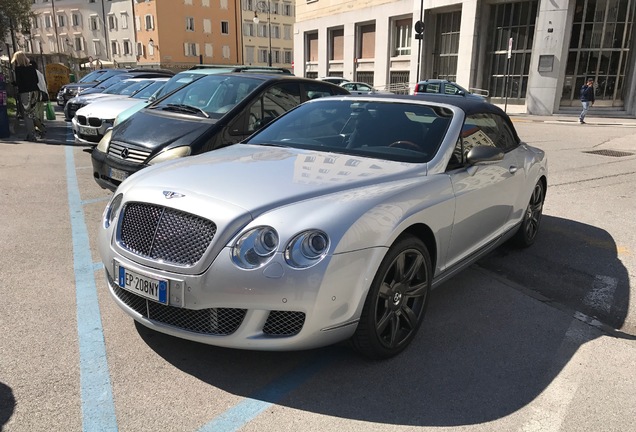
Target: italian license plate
118	174
87	131
145	286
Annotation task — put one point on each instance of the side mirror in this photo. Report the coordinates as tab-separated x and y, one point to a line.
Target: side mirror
484	154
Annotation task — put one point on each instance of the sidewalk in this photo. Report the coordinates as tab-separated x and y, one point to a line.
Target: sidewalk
595	117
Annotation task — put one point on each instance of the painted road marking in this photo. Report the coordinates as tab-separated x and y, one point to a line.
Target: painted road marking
244	412
98	409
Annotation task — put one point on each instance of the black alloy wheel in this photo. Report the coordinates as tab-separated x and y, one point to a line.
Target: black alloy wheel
529	228
396	303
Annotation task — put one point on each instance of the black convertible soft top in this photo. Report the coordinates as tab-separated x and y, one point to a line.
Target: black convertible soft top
470	105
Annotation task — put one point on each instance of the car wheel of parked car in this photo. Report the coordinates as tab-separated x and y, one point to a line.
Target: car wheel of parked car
529	228
396	302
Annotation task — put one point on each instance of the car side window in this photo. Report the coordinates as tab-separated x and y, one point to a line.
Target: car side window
272	103
316	90
432	88
487	129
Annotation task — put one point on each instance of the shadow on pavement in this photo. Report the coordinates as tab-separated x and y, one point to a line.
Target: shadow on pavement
484	352
7	404
573	264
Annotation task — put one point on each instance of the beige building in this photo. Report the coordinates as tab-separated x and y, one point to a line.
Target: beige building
536	53
177	34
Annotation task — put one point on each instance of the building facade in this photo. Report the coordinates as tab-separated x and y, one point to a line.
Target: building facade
537	53
267	32
177	34
85	30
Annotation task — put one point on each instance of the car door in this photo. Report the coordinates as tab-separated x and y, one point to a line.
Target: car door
486	194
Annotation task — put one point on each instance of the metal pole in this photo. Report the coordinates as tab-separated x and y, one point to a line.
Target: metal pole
419	43
269	33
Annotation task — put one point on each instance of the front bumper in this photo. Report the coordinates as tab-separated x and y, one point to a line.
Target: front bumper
89	134
109	171
272	308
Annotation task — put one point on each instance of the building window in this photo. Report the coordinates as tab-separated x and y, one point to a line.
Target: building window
124	20
140	49
262	30
288	57
225	27
127	47
207	26
276	32
35	23
112	22
190	49
262	55
248	5
402	37
76	20
48	21
336	48
226	51
447	45
150	22
79	43
114	48
312	47
94	23
224	4
205	3
366	42
189	23
209	51
187	2
248	29
287	32
61	20
249	55
97	47
287	9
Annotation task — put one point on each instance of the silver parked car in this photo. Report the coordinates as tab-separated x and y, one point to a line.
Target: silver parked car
333	222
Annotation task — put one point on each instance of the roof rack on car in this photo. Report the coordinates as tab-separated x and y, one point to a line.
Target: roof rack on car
243	68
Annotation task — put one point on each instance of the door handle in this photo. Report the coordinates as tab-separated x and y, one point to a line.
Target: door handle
513	169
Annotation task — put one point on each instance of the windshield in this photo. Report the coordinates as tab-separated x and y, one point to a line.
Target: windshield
149	90
119	87
404	132
211	96
93	76
179	80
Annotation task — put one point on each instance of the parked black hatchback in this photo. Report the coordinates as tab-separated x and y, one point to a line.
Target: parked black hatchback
211	112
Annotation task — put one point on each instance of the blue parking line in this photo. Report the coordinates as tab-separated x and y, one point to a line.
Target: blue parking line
98	409
239	415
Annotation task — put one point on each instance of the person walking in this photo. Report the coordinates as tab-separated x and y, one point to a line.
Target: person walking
39	105
587	99
26	79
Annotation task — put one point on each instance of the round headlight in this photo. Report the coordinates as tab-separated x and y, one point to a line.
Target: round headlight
307	249
112	209
255	248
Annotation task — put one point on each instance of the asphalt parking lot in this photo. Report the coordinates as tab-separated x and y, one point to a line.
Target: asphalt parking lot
537	340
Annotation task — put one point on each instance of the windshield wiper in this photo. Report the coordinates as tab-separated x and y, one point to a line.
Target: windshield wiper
185	108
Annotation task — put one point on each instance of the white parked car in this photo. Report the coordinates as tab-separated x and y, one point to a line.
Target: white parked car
91	122
333	222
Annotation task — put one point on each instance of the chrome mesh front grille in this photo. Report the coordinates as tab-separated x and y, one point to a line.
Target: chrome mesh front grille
215	321
116	149
166	234
284	323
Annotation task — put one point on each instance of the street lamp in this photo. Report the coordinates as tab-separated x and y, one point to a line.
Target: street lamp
264	6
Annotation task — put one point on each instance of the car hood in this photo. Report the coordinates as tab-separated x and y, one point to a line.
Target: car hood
107	109
156	129
259	178
80	86
93	97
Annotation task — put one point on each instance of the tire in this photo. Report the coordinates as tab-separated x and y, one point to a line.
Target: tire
527	233
396	303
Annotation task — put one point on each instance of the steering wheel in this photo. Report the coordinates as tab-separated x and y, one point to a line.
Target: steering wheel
408	145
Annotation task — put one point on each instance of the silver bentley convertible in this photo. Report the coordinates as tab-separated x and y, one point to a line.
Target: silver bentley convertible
331	223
